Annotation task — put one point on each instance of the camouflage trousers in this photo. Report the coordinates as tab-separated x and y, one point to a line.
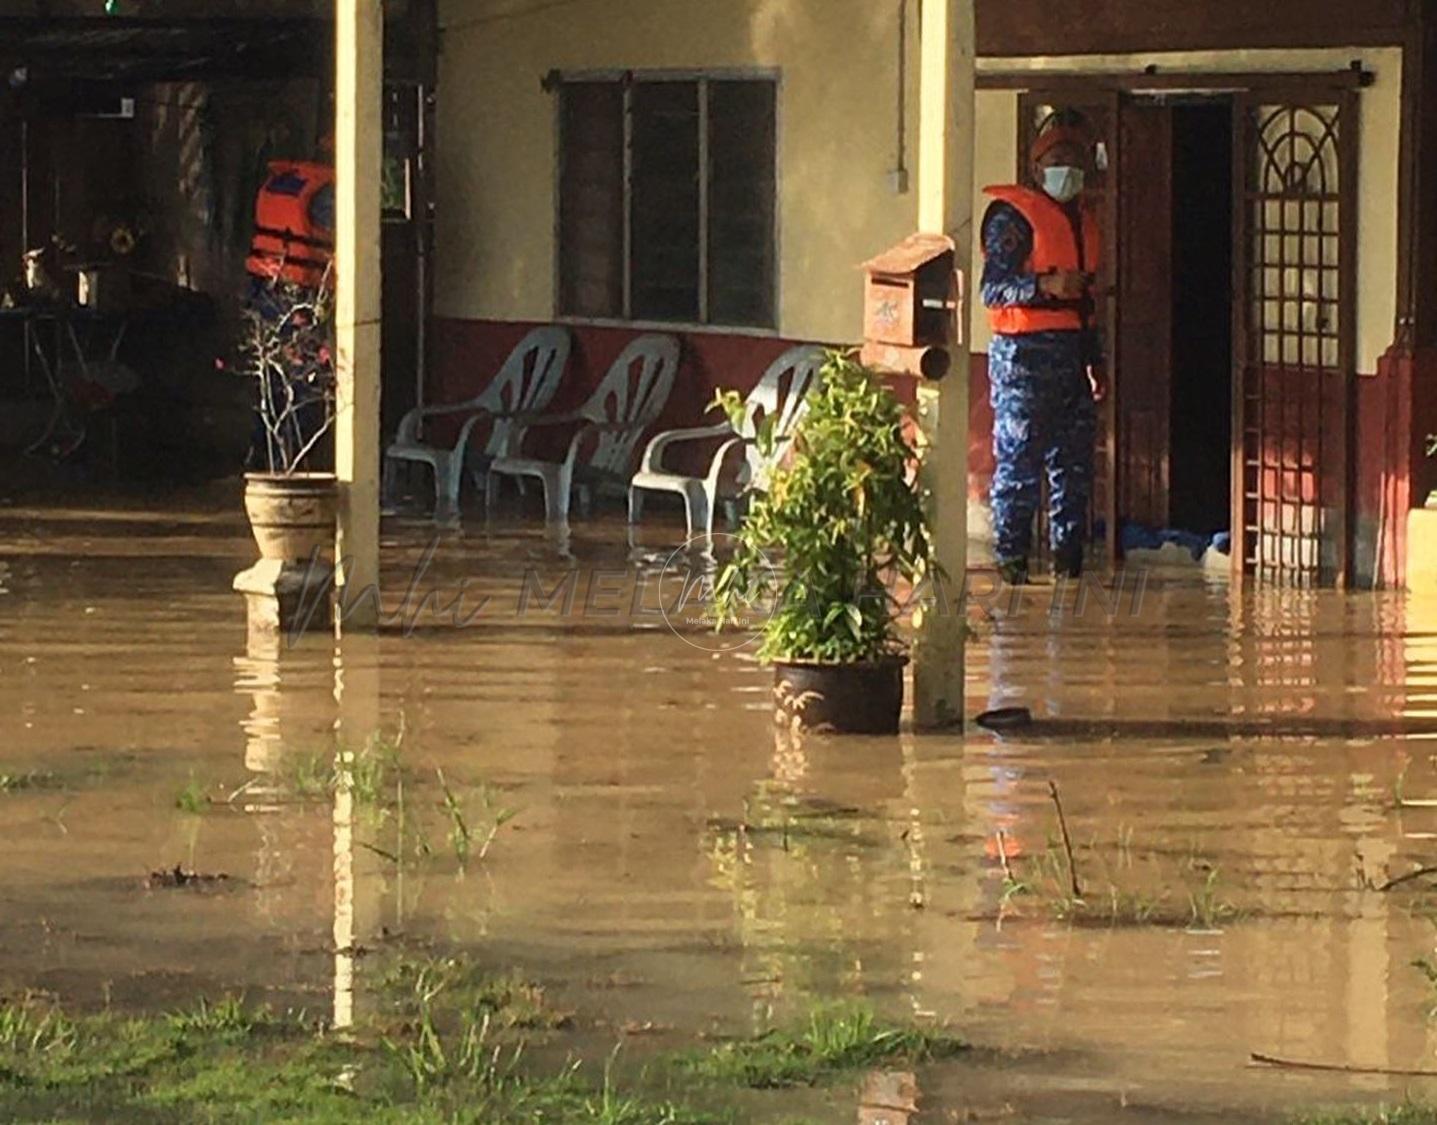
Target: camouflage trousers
1044	418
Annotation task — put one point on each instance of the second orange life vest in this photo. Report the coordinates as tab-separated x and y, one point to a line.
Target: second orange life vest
291	238
1055	247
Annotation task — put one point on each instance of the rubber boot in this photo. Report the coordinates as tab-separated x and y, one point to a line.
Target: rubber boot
1014	572
1068	561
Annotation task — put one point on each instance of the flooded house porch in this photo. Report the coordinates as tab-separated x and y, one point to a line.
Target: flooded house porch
1239	770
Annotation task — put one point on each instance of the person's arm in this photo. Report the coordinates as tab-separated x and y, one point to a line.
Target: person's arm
1007	246
1008	282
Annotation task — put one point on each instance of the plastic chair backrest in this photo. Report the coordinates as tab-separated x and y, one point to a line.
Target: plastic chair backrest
528	380
780	394
634	391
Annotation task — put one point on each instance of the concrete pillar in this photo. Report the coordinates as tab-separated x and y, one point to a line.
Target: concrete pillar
945	206
358	149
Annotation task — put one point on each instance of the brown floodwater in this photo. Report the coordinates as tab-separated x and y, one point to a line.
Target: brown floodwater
1237	769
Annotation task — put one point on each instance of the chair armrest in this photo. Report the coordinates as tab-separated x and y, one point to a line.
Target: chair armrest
409	425
514	426
589	428
716	466
654	453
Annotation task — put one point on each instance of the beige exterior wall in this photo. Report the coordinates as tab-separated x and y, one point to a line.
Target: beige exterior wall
838	138
1380	131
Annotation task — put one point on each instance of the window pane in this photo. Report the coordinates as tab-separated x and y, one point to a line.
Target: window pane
742	142
591	199
665	205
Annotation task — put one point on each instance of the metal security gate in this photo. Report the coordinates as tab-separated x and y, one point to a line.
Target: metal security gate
1294	334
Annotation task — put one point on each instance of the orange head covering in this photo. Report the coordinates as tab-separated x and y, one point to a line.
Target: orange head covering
1058	134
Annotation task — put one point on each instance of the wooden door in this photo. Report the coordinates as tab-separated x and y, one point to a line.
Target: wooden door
1294	334
1143	348
1100	109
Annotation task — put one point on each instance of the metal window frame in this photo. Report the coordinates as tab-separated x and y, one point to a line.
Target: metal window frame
629	78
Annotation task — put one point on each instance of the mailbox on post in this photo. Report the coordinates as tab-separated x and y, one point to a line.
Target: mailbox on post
913	307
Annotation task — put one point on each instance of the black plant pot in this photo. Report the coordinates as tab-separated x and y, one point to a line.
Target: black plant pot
840	698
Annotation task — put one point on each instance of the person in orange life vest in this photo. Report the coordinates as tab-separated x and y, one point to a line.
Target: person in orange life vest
1041	249
294	224
293	246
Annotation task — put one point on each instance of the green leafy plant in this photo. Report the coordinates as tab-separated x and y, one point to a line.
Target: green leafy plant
840	516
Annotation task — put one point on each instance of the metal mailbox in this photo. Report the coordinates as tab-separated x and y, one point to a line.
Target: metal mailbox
913	307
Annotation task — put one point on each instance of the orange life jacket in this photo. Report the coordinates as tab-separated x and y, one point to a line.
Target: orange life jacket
289	238
1054	248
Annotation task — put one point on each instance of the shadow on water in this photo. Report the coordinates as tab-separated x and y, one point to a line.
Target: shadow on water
1197	729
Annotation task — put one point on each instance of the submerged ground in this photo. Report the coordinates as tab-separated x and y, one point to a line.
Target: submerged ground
572	796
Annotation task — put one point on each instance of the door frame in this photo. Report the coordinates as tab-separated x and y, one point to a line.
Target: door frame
1035	87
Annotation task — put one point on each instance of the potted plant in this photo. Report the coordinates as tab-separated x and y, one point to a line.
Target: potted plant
287	350
840	518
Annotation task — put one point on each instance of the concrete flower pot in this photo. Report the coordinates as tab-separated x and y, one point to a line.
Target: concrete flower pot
291	516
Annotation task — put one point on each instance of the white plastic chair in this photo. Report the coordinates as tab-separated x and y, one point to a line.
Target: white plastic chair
611	423
526	382
779	394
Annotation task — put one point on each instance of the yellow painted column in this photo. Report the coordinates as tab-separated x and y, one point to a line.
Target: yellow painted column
358	148
945	206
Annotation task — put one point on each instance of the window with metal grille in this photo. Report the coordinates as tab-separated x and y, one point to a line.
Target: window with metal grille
667	199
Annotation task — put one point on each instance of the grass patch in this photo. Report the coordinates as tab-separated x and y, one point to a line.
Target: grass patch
448	1046
836	1038
368	773
472	830
222	1062
225	1017
508	1000
193	798
30	779
33	1032
1410	1114
1193	898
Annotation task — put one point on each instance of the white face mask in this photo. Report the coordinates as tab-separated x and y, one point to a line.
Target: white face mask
1063	182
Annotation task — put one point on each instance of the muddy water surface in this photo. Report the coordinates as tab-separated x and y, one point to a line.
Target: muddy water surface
1237	773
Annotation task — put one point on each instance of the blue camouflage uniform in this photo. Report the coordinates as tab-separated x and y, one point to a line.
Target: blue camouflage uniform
1043	410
